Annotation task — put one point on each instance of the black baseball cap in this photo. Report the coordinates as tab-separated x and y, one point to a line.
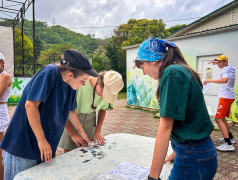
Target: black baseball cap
78	60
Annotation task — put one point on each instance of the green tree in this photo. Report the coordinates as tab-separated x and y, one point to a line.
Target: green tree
136	31
174	29
28	51
38	47
100	61
53	54
117	57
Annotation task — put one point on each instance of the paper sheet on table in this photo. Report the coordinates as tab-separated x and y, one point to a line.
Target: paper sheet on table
99	176
131	171
205	88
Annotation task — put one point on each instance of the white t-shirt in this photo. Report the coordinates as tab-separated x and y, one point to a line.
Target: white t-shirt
227	89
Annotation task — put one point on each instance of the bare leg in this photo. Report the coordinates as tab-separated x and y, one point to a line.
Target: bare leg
227	126
224	127
1	165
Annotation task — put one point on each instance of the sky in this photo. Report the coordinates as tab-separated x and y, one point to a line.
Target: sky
101	17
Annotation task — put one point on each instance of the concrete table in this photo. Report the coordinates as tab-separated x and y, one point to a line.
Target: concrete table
78	164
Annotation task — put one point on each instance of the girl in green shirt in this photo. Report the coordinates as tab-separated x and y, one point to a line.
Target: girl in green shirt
98	94
184	117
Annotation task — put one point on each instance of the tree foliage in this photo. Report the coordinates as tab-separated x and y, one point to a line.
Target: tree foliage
174	29
52	41
136	31
28	48
132	33
53	54
100	61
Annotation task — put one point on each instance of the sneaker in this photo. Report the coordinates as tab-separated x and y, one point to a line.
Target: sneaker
233	140
225	147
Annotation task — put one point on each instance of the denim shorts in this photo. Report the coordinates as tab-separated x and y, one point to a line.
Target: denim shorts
4	117
194	160
14	164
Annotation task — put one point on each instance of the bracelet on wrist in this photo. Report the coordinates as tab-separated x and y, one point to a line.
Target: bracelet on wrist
151	178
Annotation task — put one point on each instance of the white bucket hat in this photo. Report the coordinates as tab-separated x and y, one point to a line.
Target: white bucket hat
1	56
112	85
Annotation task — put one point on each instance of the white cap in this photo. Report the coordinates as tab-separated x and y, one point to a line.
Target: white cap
1	56
112	85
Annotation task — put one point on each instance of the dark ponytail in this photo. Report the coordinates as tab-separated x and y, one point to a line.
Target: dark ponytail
174	56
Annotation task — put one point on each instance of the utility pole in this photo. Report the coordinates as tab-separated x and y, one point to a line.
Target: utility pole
53	21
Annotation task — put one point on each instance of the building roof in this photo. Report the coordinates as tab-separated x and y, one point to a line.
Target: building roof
222	19
131	47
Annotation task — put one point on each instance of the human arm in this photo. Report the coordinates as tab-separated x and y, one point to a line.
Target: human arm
161	146
5	81
33	116
218	81
97	134
78	126
74	136
213	62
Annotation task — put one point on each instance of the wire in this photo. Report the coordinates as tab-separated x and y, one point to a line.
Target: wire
111	26
6	14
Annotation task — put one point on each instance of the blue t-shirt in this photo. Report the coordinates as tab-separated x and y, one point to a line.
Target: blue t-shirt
57	100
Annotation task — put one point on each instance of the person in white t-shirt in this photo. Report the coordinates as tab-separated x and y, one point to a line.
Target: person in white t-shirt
227	97
5	90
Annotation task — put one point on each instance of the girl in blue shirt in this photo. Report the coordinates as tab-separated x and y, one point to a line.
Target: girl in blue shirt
47	102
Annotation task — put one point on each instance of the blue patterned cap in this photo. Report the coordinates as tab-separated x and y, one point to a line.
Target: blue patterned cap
152	49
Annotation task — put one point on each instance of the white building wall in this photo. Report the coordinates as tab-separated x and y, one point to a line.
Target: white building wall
194	49
207	47
6	48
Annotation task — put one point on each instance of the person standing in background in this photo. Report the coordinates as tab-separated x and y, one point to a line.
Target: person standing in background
5	90
227	97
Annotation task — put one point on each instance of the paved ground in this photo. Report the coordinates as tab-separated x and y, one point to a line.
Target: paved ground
142	122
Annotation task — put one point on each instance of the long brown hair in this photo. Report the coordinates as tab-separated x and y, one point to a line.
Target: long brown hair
174	56
99	82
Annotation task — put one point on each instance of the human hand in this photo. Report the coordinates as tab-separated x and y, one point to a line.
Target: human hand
45	150
85	137
213	62
170	158
204	82
98	138
78	140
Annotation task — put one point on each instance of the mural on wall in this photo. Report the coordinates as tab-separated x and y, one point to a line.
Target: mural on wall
141	90
234	107
18	85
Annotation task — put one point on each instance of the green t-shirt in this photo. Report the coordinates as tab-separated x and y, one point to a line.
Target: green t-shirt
181	98
85	98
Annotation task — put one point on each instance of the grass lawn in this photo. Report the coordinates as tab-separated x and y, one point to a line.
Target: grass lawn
121	95
11	104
